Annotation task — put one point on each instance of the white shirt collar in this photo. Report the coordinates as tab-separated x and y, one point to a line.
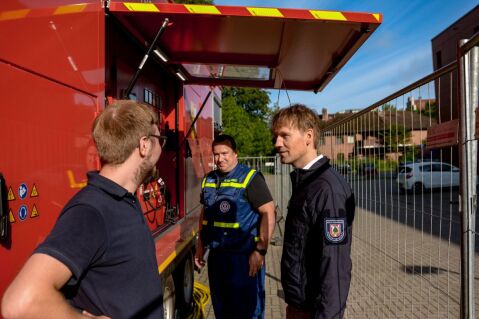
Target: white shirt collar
308	166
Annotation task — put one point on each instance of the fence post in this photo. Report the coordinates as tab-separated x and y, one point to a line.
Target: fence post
468	73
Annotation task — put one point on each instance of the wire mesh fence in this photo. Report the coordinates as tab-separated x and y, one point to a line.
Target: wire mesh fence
407	232
276	175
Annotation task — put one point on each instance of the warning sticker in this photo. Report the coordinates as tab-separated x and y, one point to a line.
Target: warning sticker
34	192
11	195
12	218
34	212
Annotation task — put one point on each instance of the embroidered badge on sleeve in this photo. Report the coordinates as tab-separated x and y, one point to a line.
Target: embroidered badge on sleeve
334	230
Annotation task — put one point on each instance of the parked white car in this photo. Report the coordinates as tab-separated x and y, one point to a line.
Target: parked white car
427	175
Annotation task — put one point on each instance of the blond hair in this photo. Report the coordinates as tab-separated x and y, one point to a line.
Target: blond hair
297	116
119	127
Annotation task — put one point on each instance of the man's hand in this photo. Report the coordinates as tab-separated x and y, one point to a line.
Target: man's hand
199	262
256	261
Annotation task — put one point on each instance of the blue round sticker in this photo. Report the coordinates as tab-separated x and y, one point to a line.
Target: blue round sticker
22	191
22	212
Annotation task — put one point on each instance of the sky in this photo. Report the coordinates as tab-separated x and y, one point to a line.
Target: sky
397	54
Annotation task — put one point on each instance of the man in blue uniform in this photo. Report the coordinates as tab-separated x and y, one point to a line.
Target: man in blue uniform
99	260
316	261
237	223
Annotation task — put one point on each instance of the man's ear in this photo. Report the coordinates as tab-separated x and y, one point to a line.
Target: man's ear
144	146
309	136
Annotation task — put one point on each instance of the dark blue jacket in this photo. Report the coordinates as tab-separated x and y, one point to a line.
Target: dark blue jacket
316	262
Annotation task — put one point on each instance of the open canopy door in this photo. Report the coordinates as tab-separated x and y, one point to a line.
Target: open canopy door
247	46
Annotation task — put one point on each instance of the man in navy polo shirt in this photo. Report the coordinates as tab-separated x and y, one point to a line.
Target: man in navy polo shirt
99	260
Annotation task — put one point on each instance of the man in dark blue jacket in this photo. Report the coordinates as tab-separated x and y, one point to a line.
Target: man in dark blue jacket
316	262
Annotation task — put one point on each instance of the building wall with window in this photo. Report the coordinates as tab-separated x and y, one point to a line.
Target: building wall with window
444	51
337	147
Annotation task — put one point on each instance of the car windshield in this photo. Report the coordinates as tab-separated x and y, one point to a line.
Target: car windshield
405	170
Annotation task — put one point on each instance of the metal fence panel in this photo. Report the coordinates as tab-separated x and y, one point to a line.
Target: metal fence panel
277	179
407	259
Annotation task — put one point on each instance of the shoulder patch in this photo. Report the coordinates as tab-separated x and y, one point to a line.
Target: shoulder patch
335	230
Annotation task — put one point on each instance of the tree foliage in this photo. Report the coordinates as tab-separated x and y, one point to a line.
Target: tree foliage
245	115
430	109
395	137
388	107
253	101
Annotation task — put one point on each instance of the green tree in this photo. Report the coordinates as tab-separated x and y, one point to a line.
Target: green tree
395	137
430	109
388	107
253	101
242	120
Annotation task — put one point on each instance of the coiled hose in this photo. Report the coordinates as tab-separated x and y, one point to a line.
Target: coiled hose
201	297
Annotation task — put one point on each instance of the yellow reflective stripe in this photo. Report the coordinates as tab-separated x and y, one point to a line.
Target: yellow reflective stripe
226	225
248	177
202	9
239	185
203	182
222	224
231	184
73	8
147	7
180	245
265	12
14	14
256	239
328	15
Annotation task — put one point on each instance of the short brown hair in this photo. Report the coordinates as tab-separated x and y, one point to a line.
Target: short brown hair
298	116
118	129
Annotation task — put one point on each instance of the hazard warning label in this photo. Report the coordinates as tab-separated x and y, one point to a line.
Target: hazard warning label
12	218
34	212
11	195
34	192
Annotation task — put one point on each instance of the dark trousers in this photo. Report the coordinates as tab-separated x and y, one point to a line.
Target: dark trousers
295	313
234	294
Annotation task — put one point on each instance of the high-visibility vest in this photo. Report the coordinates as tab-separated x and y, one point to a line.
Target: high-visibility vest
230	222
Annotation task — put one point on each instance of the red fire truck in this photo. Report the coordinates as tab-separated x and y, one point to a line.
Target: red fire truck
61	62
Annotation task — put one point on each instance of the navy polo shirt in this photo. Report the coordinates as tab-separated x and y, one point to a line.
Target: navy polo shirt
102	237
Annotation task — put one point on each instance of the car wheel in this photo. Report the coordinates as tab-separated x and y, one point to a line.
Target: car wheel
418	188
169	298
184	281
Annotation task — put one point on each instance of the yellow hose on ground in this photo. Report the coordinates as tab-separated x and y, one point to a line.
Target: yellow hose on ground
201	297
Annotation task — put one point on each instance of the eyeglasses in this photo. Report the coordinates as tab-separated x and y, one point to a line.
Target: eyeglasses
161	139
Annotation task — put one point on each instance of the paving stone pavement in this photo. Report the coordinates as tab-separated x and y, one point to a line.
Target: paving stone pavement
398	272
275	305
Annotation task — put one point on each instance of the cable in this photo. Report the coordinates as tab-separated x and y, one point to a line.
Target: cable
201	297
284	85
